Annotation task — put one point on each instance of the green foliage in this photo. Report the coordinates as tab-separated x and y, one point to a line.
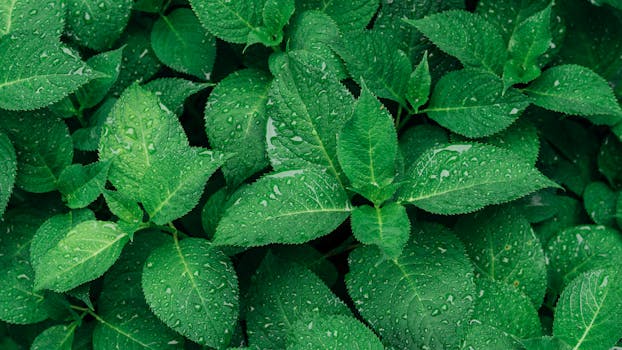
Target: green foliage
310	174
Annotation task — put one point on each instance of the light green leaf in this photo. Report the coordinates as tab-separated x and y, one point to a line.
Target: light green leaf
467	36
212	211
123	207
19	303
46	18
173	92
573	89
530	40
578	249
504	248
53	230
58	337
586	316
97	24
320	332
600	201
349	15
293	206
8	171
95	91
314	32
139	131
464	177
422	299
387	227
371	56
472	103
306	106
282	293
43	147
505	308
36	72
419	83
173	184
192	287
236	114
231	21
125	320
82	184
367	149
84	254
175	35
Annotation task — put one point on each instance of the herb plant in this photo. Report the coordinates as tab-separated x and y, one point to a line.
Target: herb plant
305	174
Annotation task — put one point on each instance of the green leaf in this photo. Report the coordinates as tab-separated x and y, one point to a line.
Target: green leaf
230	21
19	303
568	212
464	177
293	206
84	254
609	160
472	103
82	184
46	18
43	147
349	15
192	287
586	316
505	308
521	138
600	202
387	227
139	61
545	343
173	92
504	248
125	320
236	114
123	207
87	138
422	299
315	32
467	36
306	106
8	171
276	14
578	249
53	230
574	90
419	83
175	35
97	24
36	72
415	140
485	337
281	293
139	131
530	39
95	91
58	337
173	184
372	57
320	332
367	149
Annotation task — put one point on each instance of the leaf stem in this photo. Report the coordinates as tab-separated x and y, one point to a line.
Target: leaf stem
345	246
